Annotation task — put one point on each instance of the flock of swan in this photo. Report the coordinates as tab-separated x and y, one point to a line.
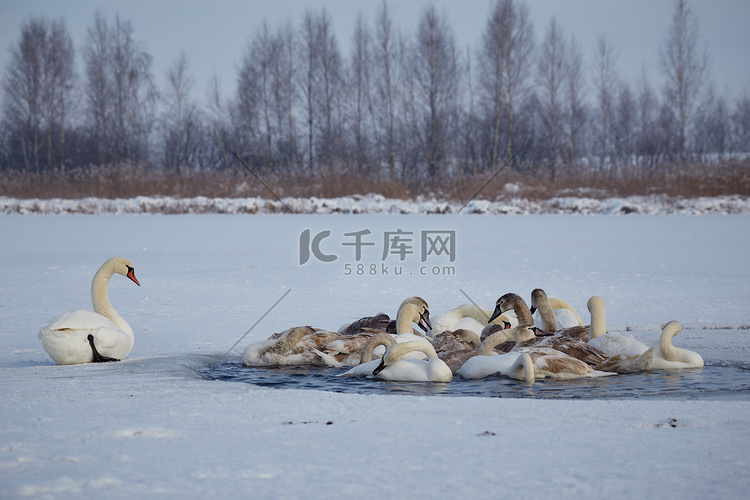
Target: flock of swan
546	340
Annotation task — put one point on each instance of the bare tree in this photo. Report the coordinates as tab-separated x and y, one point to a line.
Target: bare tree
360	63
624	124
605	81
712	126
310	66
685	69
741	124
331	86
385	78
472	139
181	121
38	92
218	125
648	143
553	73
120	91
434	72
286	98
507	48
575	104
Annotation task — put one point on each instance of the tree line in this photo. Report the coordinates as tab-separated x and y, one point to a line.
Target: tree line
408	107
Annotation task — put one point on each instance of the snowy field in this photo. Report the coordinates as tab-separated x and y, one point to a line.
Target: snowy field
377	204
151	427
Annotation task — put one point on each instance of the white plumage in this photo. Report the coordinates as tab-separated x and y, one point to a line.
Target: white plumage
83	336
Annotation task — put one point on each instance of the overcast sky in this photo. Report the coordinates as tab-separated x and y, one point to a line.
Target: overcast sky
215	33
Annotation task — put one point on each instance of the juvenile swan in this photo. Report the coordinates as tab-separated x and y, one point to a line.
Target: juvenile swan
82	336
393	367
549	317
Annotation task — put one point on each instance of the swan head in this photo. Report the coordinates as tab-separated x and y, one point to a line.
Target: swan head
416	310
538	296
506	303
397	351
123	267
594	303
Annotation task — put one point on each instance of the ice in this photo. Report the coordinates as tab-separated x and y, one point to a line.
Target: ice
152	427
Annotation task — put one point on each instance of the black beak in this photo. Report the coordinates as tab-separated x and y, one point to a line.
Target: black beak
379	367
541	333
495	314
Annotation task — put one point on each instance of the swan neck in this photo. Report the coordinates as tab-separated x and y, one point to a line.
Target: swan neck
100	297
668	351
547	314
598	320
404	322
398	351
497	338
525	364
375	341
523	313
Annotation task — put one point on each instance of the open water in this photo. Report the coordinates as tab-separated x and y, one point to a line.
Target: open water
725	381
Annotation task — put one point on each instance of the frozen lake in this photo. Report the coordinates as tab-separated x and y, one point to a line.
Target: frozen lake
152	426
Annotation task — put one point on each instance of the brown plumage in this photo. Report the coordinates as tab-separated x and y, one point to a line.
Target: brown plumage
378	322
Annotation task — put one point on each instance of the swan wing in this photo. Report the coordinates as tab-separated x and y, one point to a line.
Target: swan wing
79	319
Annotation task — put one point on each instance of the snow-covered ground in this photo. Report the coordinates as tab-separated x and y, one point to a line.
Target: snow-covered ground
377	204
151	427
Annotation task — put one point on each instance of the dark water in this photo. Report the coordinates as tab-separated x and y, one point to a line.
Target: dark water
711	382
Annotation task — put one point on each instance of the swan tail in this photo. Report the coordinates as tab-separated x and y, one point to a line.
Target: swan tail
327	359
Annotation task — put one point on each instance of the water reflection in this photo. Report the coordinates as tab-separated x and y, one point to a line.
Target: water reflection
713	382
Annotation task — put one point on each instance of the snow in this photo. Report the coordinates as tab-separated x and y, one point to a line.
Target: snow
152	427
377	204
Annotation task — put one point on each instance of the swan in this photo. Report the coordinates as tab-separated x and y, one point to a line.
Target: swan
669	357
366	363
514	302
380	321
468	317
612	343
305	345
486	362
393	367
101	335
569	342
552	318
345	351
546	362
299	345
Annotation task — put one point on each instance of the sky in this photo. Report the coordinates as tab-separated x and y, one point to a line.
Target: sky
214	34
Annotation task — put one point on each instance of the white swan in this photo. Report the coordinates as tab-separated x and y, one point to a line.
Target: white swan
669	357
468	317
83	336
515	365
552	318
612	343
393	367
